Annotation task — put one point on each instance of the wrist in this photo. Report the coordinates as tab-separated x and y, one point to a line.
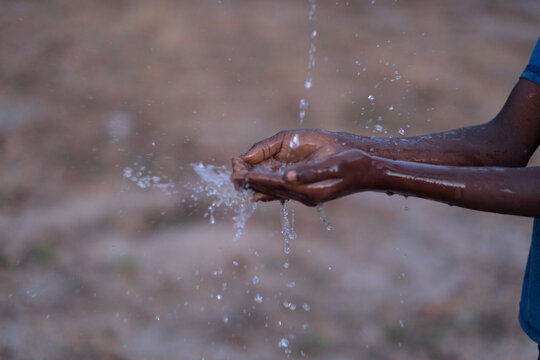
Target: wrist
378	173
354	141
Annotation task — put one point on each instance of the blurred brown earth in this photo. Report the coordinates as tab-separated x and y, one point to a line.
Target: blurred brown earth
93	267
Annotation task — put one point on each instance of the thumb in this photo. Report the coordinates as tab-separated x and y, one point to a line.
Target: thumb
263	150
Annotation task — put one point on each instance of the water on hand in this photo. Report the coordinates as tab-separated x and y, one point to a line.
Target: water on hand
216	184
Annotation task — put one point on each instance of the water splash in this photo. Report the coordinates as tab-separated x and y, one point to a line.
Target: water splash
324	219
216	184
144	179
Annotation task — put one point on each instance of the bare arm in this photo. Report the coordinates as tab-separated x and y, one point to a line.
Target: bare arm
478	167
509	140
502	190
514	191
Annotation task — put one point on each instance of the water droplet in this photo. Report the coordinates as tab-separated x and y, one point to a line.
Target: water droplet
218	296
306	307
308	84
235	263
295	142
371	97
391	107
283	343
258	298
291	284
255	280
153	143
401	131
157	317
401	323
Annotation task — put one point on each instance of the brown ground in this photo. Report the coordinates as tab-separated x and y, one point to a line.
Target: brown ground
93	267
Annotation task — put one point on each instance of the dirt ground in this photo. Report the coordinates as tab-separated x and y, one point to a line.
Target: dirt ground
94	267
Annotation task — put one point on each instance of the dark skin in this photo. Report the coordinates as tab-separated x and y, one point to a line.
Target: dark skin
479	167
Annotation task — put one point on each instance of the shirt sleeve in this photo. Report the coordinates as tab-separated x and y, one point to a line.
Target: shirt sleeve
532	71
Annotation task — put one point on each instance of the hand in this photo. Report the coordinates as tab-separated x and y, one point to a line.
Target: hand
292	146
285	148
314	182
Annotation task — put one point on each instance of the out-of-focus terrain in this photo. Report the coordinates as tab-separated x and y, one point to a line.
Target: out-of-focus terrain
92	266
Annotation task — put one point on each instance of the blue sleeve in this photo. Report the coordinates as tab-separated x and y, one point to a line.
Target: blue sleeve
532	71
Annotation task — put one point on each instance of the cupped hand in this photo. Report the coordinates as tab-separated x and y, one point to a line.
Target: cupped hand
285	148
292	146
314	182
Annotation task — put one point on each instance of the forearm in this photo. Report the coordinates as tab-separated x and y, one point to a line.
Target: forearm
509	139
513	191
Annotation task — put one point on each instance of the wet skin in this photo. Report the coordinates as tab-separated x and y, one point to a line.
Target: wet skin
479	167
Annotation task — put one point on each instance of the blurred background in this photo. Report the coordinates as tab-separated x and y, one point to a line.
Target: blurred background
94	267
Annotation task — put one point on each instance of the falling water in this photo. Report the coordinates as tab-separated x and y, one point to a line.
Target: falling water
312	48
308	84
287	226
322	216
304	104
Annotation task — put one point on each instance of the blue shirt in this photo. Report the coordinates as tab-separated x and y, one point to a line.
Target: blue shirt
529	308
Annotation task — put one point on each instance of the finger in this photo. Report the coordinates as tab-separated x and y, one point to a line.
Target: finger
305	174
264	197
239	171
264	150
238	166
268	179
